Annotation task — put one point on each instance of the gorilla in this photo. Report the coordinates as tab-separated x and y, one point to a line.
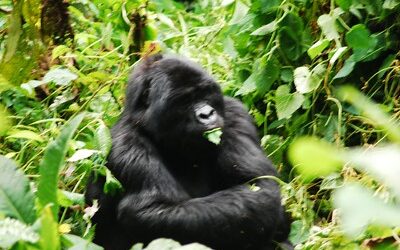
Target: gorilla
176	183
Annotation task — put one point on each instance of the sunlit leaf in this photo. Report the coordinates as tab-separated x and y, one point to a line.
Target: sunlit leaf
82	154
371	110
59	76
16	197
214	135
25	134
287	103
314	158
328	26
316	49
359	207
51	164
265	29
12	230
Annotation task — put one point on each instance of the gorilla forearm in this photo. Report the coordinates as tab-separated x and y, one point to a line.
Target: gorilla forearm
227	217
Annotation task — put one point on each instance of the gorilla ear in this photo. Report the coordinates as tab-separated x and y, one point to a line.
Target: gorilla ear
138	93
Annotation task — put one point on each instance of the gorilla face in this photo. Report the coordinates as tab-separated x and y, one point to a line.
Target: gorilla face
182	102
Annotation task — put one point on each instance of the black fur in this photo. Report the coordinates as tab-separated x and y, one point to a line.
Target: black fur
176	183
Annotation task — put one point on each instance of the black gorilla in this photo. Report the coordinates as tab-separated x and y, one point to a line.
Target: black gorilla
177	184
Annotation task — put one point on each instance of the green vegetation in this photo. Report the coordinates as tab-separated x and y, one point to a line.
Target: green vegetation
320	77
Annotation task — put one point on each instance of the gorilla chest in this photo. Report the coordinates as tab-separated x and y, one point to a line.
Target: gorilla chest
196	180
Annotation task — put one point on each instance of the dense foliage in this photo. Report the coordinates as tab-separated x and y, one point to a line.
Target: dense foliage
321	78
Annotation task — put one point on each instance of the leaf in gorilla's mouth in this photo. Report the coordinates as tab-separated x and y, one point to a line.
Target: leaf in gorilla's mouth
213	135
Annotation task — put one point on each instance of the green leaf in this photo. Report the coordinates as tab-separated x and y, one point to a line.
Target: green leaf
347	68
163	244
338	54
328	26
59	51
359	207
314	158
73	242
372	111
359	37
390	4
267	74
59	76
381	162
344	4
51	164
67	199
316	49
16	197
82	154
25	134
298	232
307	81
287	103
248	86
49	237
112	185
360	40
265	29
240	12
12	230
214	135
103	139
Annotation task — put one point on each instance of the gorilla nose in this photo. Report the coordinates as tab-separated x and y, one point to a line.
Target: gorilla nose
206	114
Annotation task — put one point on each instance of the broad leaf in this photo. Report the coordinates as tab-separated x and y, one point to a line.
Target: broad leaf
287	103
265	29
328	26
16	198
12	230
370	209
73	242
25	134
51	164
316	49
307	81
314	158
59	76
103	139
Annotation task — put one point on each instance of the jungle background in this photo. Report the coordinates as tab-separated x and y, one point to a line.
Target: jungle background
320	77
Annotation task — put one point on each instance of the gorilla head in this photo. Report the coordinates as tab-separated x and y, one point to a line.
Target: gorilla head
175	102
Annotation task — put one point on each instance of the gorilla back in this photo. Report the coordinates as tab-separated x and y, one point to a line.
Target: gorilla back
177	184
